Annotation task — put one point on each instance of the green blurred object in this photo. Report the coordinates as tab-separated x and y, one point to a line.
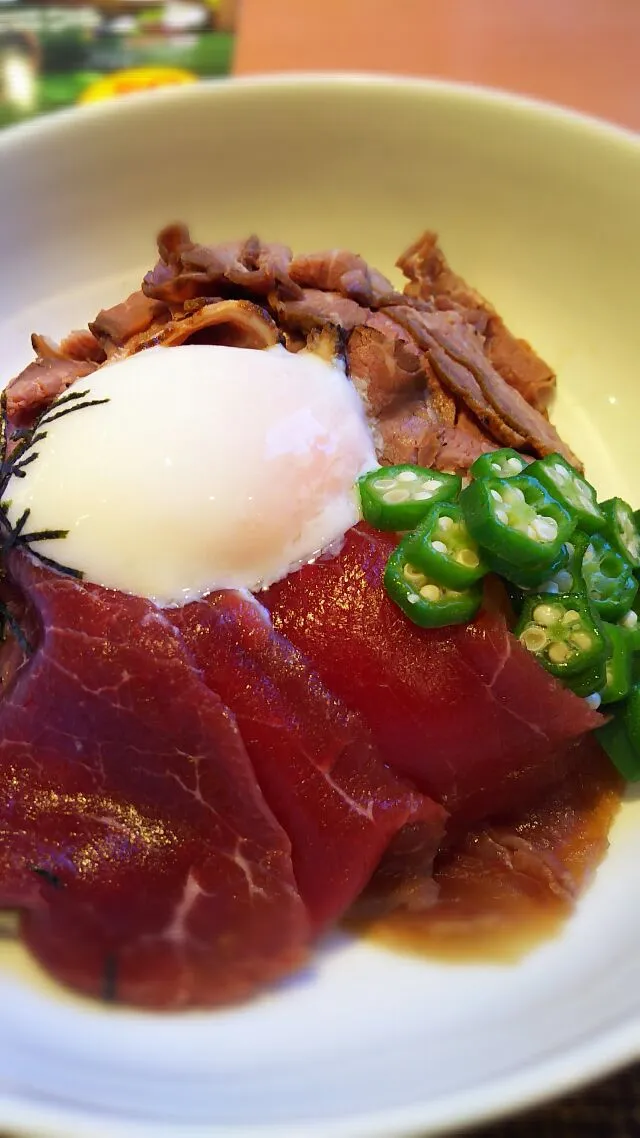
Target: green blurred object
50	54
59	90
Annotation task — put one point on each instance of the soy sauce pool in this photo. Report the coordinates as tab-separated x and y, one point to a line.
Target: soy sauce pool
508	887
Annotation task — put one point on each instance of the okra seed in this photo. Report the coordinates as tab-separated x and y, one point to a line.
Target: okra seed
564	579
431	484
414	576
594	700
430	592
531	533
413	598
394	497
558	652
546	614
422	496
469	558
384	483
445	523
629	620
502	516
534	638
496	495
581	640
561	472
407	476
546	528
496	467
439	546
571	616
515	464
515	494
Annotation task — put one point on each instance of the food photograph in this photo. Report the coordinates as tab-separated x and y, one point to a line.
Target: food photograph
319	570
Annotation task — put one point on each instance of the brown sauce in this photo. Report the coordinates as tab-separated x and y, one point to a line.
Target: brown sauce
505	889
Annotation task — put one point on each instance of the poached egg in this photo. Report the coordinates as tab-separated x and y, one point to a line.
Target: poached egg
209	467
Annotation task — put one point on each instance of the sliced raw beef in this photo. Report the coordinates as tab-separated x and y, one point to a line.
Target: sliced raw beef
136	838
150	867
464	711
315	761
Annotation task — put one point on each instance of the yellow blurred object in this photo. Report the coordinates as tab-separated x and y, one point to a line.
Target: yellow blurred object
133	80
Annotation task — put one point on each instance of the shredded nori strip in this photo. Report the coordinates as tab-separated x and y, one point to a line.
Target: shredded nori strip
76	407
9	620
13	466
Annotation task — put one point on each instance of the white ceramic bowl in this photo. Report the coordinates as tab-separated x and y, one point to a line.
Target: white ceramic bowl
539	209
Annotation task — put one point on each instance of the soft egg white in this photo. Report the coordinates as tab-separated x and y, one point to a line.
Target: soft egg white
208	467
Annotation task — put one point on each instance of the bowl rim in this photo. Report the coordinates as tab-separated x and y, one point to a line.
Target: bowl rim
231	87
504	1096
558	1073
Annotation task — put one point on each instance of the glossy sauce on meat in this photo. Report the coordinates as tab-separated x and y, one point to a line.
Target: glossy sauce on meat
506	888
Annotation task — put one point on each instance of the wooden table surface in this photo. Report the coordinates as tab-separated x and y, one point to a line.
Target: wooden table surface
583	53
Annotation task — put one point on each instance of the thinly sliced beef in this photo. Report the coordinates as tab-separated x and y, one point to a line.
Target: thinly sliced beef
316	308
459	447
315	760
236	323
518	364
424	264
338	270
408	433
245	265
136	838
431	277
465	711
135	315
79	345
413	415
475	370
172	240
462	383
187	270
40	383
384	322
384	369
460	343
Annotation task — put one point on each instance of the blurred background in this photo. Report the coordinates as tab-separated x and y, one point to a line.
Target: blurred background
54	55
582	53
